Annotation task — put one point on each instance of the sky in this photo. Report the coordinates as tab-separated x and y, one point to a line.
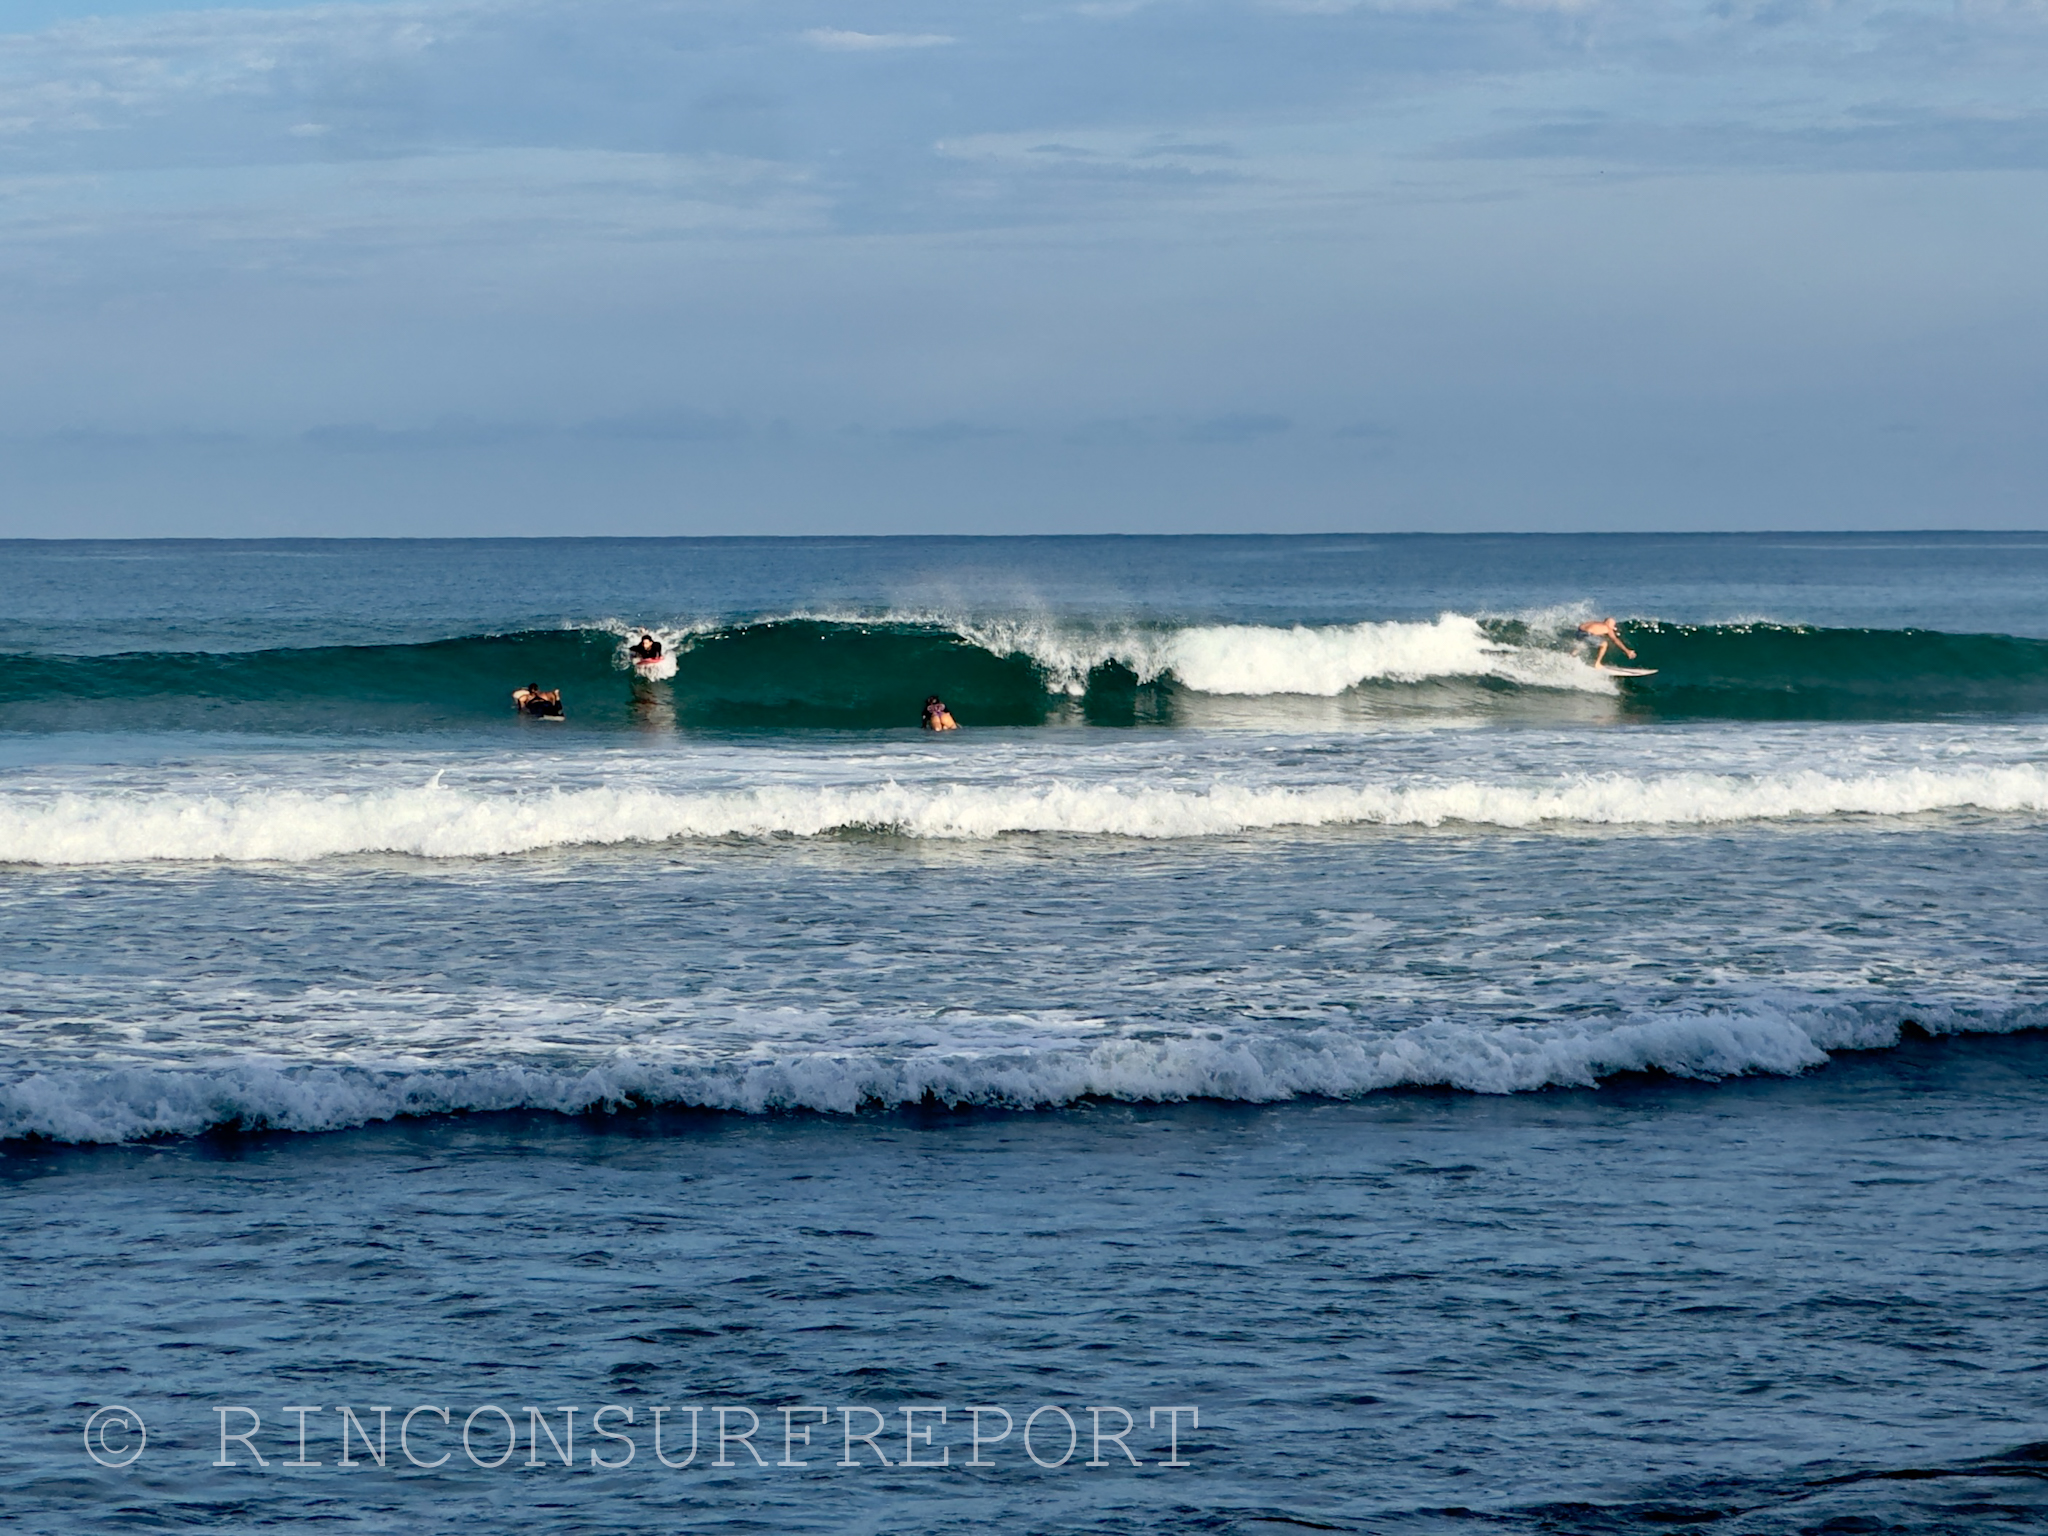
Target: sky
897	266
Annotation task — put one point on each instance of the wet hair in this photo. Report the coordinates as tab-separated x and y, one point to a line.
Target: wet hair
935	702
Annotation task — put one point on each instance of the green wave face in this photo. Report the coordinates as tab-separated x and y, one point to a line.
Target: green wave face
795	674
441	683
804	674
808	673
1777	672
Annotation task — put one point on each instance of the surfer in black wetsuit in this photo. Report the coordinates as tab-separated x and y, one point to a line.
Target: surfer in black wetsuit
646	648
1607	632
937	717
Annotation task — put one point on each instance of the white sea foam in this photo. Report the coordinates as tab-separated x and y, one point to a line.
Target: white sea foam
659	670
434	821
83	1104
1259	660
673	638
1233	659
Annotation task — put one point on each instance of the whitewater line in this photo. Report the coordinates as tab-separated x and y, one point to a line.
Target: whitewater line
1242	660
125	1103
436	822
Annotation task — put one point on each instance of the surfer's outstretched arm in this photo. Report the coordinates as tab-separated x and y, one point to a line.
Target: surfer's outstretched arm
1608	633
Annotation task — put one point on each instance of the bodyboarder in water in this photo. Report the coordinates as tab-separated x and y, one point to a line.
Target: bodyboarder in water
646	648
1607	632
937	717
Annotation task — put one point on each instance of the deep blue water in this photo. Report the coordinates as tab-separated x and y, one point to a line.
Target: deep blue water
1494	1094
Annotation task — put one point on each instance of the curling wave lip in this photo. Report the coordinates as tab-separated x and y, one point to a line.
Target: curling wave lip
843	671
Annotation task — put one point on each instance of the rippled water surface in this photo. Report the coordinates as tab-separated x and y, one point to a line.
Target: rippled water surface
1496	1093
1769	1304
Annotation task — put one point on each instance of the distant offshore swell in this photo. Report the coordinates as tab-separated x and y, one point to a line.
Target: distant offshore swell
826	673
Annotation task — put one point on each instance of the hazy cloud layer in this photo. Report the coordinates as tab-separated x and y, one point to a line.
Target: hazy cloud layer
1121	265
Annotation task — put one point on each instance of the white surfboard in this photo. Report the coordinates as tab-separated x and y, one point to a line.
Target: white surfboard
1628	671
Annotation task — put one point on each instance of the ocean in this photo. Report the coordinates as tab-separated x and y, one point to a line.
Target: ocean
1311	1052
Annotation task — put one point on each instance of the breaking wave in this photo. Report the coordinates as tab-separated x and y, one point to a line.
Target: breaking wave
861	673
83	1104
436	822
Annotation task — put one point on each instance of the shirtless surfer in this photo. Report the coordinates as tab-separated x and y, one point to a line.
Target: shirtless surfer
937	717
530	700
1607	632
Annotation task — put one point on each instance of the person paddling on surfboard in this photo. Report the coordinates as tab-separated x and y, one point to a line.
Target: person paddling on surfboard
1607	632
937	717
646	648
531	700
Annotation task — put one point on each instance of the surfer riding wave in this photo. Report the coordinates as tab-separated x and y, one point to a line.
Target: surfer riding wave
1608	633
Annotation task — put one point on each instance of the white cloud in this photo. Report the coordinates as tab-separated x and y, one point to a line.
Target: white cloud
862	42
99	73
